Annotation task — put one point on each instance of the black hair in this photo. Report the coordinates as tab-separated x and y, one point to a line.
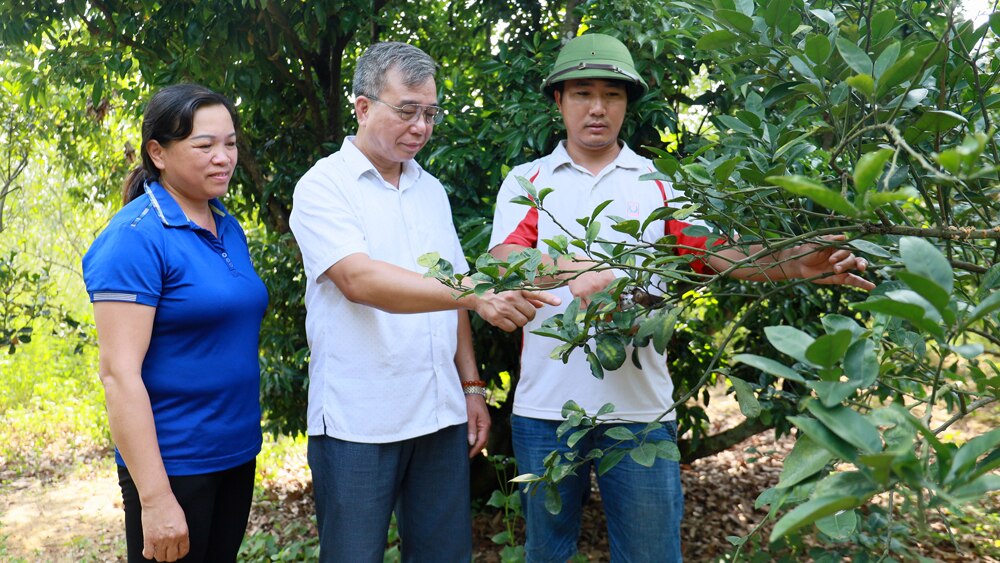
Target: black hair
169	117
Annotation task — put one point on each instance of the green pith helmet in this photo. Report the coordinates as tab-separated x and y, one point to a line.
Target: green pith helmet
595	56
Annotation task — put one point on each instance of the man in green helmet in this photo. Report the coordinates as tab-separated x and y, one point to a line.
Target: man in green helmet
592	83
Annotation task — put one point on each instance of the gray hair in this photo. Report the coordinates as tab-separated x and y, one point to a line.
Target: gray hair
414	65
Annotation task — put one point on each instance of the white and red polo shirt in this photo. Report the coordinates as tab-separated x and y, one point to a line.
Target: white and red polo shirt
546	384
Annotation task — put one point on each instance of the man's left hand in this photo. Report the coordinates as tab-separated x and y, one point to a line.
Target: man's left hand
479	423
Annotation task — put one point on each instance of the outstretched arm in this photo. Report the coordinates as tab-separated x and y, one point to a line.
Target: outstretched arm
397	290
804	261
581	285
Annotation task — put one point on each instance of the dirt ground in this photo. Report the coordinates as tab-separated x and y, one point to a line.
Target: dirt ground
75	515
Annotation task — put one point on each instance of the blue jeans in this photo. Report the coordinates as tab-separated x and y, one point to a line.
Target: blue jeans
424	479
643	505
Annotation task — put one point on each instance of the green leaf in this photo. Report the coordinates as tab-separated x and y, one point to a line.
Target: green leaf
428	260
610	460
826	16
502	538
610	348
802	186
828	349
903	70
914	313
839	526
716	40
853	483
861	363
880	464
854	56
832	393
497	499
789	341
805	460
870	248
818	48
810	511
668	450
863	83
621	433
98	93
644	455
869	168
930	291
775	10
767	365
528	187
886	59
966	456
553	502
874	200
595	365
730	122
629	227
849	425
833	323
990	280
824	437
735	20
977	489
593	229
577	436
749	405
938	121
985	307
663	328
525	478
924	259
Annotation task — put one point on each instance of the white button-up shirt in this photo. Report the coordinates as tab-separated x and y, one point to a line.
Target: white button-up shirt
374	376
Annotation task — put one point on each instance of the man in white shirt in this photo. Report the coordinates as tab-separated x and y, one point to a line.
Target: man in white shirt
395	402
591	83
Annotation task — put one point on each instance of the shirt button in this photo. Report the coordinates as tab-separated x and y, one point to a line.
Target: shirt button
224	255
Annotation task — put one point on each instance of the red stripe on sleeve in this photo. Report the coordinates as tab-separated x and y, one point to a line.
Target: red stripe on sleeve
676	228
526	233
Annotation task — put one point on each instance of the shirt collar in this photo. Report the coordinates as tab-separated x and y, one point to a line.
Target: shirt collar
358	164
167	209
627	158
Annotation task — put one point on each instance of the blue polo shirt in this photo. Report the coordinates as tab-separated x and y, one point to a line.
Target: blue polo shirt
201	370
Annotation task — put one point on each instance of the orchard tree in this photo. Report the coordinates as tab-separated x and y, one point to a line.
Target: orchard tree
22	290
870	119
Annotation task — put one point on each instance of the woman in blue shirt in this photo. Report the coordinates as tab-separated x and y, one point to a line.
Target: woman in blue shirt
178	309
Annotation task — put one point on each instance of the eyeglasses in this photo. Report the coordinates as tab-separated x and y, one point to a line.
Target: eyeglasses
409	112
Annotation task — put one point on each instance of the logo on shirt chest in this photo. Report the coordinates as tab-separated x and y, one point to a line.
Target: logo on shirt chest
632	209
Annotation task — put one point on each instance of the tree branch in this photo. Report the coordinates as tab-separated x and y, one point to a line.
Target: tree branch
722	441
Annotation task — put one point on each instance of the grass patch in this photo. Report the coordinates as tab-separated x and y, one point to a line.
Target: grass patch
51	406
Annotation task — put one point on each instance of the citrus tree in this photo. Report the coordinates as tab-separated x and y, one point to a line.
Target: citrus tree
875	120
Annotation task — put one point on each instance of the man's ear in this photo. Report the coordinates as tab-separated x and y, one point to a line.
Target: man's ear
155	151
362	106
557	96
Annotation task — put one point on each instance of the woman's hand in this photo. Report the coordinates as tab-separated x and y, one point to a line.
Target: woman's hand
164	529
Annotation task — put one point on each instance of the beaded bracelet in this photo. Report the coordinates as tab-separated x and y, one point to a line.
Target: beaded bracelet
474	387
